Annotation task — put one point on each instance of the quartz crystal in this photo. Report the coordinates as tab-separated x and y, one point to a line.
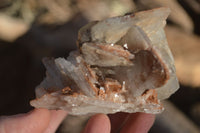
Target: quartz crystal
123	64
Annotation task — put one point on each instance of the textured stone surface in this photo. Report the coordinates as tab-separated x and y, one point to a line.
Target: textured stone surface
123	64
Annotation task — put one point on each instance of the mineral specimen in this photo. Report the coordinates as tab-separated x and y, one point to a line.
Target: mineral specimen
123	64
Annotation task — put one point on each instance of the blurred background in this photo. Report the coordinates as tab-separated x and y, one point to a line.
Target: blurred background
33	29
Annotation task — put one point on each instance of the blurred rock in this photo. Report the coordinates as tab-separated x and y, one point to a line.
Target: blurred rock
42	12
194	4
11	28
101	9
186	50
178	15
193	9
56	11
172	120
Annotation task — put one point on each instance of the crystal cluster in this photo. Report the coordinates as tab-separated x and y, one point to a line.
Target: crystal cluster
123	64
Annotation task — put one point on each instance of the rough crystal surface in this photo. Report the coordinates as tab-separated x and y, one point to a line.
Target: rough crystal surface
123	64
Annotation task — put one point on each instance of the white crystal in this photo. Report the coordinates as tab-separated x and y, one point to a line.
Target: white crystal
124	64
